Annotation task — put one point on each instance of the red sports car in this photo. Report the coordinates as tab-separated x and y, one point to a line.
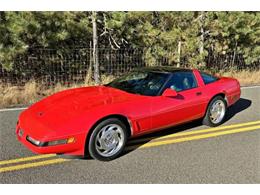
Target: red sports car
98	120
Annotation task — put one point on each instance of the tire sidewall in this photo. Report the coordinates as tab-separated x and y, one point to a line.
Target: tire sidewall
91	145
207	121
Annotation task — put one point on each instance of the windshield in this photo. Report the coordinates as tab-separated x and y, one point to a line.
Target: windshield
143	83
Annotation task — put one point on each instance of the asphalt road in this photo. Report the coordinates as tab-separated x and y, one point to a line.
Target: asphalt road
190	153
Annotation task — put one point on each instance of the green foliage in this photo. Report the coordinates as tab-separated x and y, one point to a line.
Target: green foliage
237	32
159	33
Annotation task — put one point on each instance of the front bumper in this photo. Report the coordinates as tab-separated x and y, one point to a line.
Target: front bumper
40	147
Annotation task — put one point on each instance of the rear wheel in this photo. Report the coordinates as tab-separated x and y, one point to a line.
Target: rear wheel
108	139
216	112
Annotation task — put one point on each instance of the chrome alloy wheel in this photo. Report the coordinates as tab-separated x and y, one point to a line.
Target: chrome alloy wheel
109	140
217	111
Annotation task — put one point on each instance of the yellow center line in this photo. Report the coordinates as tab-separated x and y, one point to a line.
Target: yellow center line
4	162
194	132
35	164
147	145
197	137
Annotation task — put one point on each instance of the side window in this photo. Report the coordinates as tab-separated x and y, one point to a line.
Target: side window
207	78
182	81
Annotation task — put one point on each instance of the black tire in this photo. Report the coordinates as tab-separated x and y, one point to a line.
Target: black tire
207	119
93	151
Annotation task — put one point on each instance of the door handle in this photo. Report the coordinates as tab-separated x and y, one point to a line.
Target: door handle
198	93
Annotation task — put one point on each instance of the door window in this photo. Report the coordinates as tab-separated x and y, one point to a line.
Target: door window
181	81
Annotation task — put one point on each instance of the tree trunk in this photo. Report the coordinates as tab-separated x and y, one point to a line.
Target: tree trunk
88	78
234	55
202	35
179	54
201	49
95	48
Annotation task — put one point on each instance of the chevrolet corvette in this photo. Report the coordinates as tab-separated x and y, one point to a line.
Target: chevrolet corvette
98	120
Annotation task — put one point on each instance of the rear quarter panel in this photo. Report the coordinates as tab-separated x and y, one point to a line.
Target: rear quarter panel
231	88
228	86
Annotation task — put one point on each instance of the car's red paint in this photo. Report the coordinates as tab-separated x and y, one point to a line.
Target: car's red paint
73	113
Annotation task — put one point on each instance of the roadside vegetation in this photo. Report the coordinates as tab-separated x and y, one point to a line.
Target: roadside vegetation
32	92
41	50
178	38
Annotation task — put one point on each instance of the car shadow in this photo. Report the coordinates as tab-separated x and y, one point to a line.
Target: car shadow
239	106
135	143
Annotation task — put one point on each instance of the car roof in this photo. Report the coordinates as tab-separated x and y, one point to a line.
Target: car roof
163	69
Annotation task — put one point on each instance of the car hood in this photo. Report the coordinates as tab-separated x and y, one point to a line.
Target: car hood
80	99
70	104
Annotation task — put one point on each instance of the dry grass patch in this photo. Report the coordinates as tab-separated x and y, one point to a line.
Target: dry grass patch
15	95
32	92
245	77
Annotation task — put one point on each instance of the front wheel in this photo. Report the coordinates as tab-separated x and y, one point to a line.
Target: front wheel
107	140
216	112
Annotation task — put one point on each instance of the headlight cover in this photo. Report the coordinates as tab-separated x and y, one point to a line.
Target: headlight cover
34	141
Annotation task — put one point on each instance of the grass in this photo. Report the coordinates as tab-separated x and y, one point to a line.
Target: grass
246	78
31	92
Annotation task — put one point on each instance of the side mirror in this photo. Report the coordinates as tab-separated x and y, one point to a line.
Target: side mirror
169	93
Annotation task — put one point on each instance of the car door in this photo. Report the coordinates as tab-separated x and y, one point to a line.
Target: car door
186	106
